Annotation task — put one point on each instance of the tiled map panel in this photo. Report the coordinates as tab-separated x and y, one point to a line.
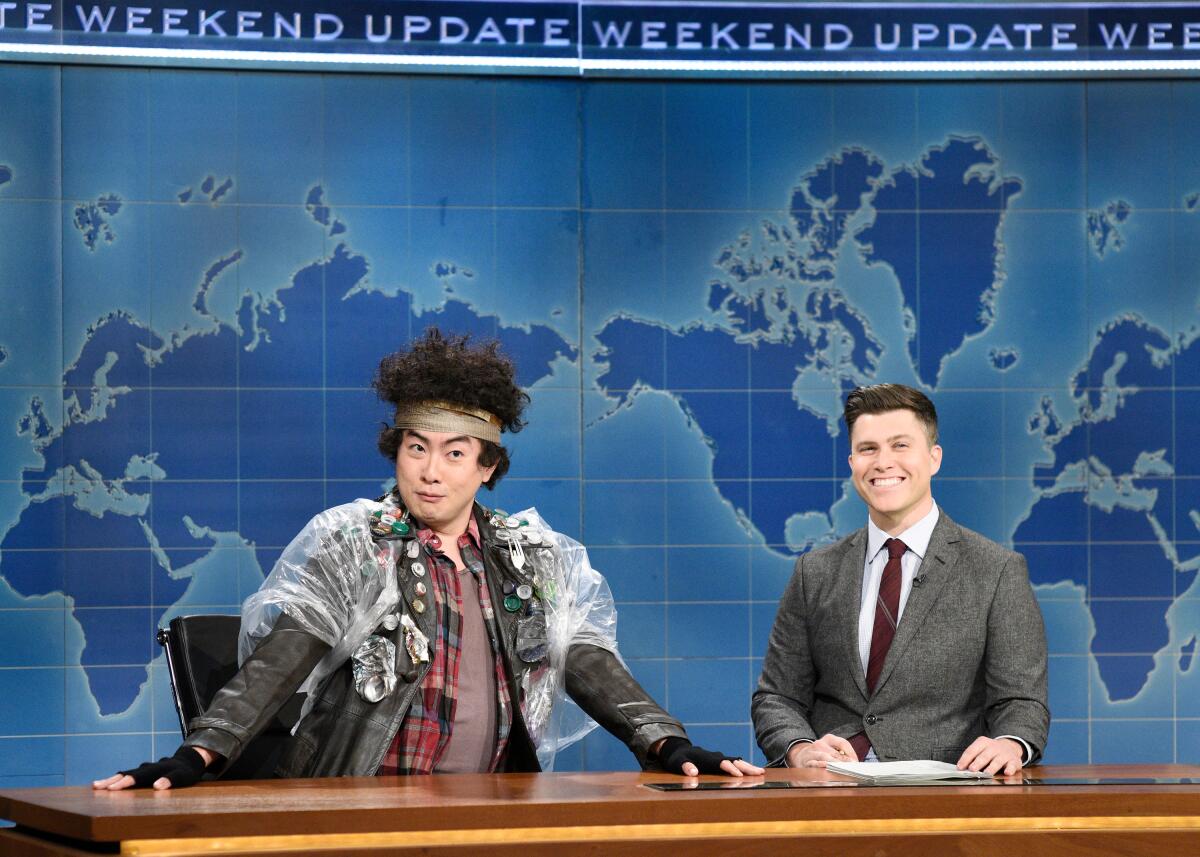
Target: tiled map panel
199	271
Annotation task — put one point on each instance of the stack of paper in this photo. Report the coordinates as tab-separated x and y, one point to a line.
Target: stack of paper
904	773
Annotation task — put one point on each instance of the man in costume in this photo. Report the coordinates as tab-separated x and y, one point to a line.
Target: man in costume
911	638
432	634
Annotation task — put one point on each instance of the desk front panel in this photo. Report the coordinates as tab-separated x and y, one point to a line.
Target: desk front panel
580	813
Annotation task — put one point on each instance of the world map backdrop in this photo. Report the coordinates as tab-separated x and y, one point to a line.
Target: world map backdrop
199	271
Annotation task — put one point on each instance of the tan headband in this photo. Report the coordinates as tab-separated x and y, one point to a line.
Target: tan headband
432	415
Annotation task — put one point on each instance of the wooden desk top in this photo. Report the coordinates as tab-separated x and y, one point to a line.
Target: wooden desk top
576	800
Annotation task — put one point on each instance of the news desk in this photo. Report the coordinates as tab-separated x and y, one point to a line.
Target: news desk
618	814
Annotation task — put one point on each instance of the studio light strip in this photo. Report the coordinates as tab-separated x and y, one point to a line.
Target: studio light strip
299	59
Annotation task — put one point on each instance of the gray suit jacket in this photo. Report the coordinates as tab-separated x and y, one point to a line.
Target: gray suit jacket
968	658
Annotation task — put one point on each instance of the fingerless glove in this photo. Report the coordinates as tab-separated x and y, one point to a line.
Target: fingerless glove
183	769
676	751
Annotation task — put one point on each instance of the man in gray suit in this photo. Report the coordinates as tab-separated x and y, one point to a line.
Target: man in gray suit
911	638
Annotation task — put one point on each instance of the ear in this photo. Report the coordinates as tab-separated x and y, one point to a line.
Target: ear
485	473
935	455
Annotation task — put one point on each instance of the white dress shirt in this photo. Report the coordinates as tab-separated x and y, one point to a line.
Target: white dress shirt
916	538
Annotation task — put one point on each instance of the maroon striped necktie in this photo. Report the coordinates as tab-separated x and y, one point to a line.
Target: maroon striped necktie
887	613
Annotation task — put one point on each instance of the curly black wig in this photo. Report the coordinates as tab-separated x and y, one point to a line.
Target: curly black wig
453	369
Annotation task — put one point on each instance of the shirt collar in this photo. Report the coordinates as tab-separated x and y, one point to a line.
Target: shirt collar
471	536
916	538
472	533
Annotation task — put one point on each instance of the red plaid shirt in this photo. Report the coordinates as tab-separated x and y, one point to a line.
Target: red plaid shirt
425	732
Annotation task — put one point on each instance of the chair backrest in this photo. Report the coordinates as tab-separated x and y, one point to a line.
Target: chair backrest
201	658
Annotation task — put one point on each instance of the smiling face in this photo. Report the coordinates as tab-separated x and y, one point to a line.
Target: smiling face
892	464
438	475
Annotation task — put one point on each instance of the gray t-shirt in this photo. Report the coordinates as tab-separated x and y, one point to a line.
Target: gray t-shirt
473	736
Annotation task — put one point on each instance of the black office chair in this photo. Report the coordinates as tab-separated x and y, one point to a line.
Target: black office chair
201	657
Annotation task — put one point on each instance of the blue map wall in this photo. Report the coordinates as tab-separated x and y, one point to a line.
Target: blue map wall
200	270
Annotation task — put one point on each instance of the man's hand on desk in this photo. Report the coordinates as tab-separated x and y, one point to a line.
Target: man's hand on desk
185	768
993	755
680	756
816	754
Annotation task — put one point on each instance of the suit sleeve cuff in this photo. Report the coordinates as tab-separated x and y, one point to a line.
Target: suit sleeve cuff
783	760
1026	750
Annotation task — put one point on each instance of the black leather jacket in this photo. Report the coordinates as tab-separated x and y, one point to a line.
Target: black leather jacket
344	735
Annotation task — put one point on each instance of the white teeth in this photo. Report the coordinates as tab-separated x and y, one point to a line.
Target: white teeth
886	483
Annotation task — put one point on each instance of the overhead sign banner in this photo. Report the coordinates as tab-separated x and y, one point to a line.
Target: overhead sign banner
615	37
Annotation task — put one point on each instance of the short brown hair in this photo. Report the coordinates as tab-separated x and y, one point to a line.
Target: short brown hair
881	398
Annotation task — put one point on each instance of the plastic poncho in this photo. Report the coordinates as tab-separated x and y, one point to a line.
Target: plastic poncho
338	582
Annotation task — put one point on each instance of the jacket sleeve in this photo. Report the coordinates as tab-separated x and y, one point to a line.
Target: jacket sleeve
602	686
267	680
1015	661
783	702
